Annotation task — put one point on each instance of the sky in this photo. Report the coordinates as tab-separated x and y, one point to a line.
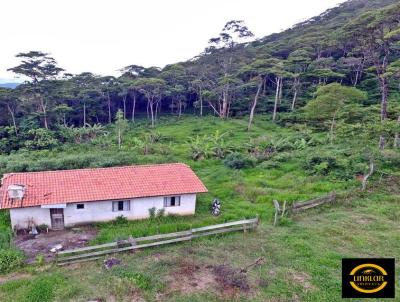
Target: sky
102	36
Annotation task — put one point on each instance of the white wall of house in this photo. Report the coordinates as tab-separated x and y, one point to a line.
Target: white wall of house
21	217
97	211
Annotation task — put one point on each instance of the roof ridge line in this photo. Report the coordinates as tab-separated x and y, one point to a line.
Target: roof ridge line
97	168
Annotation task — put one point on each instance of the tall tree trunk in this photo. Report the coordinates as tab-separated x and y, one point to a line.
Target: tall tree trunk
180	109
13	119
119	138
296	90
151	113
109	107
253	107
133	107
224	103
366	176
156	111
44	111
201	102
124	104
359	72
65	120
381	67
280	92
84	114
384	96
278	84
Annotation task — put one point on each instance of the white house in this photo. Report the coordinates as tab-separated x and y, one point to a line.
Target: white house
71	197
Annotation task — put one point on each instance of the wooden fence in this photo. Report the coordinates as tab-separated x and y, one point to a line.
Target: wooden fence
97	251
303	205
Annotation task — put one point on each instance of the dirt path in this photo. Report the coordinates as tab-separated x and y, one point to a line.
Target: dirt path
41	244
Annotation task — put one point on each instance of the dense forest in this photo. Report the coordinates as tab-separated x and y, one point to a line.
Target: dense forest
338	72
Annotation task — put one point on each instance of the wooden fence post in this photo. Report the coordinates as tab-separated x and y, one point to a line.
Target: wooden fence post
277	211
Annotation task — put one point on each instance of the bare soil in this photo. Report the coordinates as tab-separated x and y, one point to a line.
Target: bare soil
41	244
301	278
14	276
224	280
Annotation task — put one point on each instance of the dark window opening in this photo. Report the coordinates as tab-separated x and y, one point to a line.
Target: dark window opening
173	201
123	205
80	206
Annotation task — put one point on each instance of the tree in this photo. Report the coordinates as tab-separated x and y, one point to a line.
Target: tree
40	68
122	125
256	72
177	81
233	33
85	89
153	89
298	62
10	101
331	100
374	34
393	72
278	70
108	85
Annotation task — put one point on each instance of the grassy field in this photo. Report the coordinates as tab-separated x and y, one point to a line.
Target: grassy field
301	257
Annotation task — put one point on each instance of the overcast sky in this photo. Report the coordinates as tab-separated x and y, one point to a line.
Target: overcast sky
101	36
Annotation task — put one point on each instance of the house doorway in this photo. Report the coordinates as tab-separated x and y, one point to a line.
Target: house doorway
57	219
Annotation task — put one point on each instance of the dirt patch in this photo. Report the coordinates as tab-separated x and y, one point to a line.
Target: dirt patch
41	244
14	276
301	278
230	278
362	219
191	278
136	296
224	280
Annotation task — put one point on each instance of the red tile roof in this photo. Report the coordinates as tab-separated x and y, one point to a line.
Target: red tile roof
83	185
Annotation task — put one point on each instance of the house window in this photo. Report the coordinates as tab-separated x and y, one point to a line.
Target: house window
122	205
80	206
172	201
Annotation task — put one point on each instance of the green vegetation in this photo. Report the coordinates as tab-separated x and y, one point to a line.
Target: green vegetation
10	259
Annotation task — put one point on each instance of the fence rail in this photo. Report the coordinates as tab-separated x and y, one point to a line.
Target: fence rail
97	251
299	206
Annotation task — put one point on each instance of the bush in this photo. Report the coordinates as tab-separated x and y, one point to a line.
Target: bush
160	213
40	139
10	260
320	164
120	220
269	164
238	161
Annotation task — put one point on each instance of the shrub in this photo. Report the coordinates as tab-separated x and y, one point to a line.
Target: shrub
43	227
283	157
120	220
320	164
40	139
10	259
160	213
152	212
238	161
269	164
39	260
